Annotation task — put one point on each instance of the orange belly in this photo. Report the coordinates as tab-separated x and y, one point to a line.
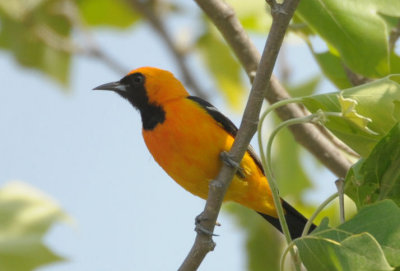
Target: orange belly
188	146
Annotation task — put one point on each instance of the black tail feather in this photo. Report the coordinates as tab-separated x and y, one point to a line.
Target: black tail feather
294	219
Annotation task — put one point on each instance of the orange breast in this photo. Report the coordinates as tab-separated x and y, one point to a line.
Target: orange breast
188	146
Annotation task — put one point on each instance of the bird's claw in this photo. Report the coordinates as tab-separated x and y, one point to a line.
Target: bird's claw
227	159
200	229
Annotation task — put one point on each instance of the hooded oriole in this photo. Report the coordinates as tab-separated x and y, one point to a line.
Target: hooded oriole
186	135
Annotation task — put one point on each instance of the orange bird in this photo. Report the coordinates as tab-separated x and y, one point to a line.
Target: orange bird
186	136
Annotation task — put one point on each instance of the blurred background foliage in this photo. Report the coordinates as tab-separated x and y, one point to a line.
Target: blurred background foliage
351	44
25	216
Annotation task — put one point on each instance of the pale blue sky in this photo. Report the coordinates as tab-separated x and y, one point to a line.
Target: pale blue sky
85	150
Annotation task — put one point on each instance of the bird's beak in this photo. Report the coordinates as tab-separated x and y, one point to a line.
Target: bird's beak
114	86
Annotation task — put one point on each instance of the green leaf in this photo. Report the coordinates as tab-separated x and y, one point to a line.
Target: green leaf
331	64
382	220
299	27
253	15
117	13
357	252
358	31
368	241
305	88
222	66
25	217
378	101
36	33
378	176
332	67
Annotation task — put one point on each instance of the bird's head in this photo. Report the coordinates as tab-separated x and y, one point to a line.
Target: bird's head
147	86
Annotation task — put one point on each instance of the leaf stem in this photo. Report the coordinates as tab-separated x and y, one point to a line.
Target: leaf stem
340	187
316	213
271	108
266	161
284	254
319	116
307	227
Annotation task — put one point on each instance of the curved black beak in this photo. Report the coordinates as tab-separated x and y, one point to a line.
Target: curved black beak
114	86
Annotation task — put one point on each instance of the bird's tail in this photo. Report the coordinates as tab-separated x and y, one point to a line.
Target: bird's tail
294	219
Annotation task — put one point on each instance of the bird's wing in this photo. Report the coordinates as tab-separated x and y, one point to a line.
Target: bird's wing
227	124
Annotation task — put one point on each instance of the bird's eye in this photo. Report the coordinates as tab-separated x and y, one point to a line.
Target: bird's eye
138	79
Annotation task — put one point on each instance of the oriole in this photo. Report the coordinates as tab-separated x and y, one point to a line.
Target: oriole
186	136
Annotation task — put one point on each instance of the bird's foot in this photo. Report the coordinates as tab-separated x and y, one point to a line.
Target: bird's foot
201	229
227	159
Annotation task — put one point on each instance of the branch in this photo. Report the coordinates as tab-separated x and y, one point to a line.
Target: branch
223	17
146	9
354	78
394	36
203	243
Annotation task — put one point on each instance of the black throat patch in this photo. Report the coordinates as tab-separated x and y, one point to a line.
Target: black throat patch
152	114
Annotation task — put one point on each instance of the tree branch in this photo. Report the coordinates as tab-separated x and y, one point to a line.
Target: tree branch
203	243
146	9
223	17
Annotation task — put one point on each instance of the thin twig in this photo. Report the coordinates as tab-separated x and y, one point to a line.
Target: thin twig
317	212
355	78
273	6
394	36
223	17
247	129
146	9
340	187
266	160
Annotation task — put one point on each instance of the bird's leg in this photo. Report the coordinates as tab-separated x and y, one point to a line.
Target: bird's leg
225	157
200	218
199	228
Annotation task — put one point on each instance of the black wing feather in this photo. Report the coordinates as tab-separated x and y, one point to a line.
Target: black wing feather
227	124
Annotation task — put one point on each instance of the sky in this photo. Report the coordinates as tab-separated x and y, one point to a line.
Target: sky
84	149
